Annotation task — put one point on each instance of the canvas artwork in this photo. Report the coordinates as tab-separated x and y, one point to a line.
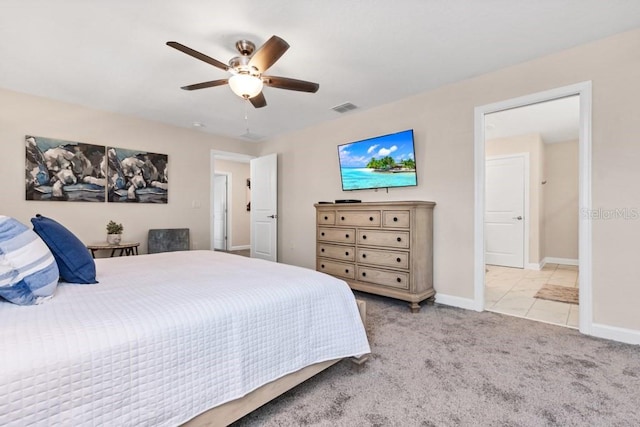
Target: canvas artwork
64	170
137	176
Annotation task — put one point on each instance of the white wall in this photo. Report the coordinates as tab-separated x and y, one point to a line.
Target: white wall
443	121
189	169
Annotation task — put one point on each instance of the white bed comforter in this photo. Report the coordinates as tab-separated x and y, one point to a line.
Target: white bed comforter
165	337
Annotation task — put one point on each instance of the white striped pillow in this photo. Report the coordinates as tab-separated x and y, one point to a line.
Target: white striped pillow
28	271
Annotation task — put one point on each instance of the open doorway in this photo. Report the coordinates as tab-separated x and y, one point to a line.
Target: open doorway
252	201
220	232
533	212
230	203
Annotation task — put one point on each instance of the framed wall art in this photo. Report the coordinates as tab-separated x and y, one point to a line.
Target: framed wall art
137	176
58	170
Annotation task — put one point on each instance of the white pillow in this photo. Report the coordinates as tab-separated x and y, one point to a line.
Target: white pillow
28	271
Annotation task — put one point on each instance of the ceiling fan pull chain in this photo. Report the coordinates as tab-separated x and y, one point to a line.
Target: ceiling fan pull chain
246	115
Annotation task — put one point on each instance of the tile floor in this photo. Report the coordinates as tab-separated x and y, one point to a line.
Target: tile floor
511	290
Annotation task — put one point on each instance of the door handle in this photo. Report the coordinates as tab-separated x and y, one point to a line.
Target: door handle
273	216
519	218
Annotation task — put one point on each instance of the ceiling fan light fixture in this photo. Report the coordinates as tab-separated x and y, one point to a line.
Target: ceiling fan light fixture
245	85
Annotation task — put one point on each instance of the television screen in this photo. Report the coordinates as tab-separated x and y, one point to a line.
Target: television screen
382	162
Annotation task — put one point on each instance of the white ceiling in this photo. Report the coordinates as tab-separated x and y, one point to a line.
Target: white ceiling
112	55
555	121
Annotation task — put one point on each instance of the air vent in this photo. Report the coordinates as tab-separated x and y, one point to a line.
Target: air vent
343	108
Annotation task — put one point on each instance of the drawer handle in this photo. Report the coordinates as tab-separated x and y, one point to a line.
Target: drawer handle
364	274
397	259
346	270
399	280
342	218
370	218
364	237
326	218
322	250
321	265
322	234
346	254
395	219
399	239
364	255
346	235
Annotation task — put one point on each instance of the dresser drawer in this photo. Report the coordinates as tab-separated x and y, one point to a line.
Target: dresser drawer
397	219
391	239
344	253
339	269
358	218
392	279
384	258
326	218
337	235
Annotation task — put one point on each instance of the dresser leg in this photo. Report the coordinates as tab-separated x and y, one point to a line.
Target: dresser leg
414	306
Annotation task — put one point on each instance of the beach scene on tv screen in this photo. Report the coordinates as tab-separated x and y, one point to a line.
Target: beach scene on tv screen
386	161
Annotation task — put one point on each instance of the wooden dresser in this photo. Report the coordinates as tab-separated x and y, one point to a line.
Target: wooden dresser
384	248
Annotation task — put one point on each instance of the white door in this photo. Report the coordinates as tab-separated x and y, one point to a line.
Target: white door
264	207
504	211
220	212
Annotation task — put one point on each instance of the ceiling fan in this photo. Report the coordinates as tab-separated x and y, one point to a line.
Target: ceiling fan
247	78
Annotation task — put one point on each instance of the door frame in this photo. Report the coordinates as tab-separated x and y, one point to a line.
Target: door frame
526	207
222	155
228	243
584	90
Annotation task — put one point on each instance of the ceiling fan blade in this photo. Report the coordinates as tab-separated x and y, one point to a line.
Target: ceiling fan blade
290	84
203	85
259	100
198	55
268	53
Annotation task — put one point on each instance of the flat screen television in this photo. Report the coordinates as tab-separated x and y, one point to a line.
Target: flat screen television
385	161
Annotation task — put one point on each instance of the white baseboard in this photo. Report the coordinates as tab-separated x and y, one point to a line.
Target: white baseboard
550	260
563	261
466	303
533	266
629	336
240	248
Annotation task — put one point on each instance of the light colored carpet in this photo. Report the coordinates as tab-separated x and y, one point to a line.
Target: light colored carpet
558	293
452	367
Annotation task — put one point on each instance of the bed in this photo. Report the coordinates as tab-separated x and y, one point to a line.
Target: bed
196	337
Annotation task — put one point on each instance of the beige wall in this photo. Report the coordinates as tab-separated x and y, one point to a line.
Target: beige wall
238	198
533	145
561	200
443	121
189	168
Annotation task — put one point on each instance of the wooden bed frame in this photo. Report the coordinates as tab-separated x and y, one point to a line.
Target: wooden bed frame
229	412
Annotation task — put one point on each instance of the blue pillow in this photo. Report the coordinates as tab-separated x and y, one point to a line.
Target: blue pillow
28	271
74	261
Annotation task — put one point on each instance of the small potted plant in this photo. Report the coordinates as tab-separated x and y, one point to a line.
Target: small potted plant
114	233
